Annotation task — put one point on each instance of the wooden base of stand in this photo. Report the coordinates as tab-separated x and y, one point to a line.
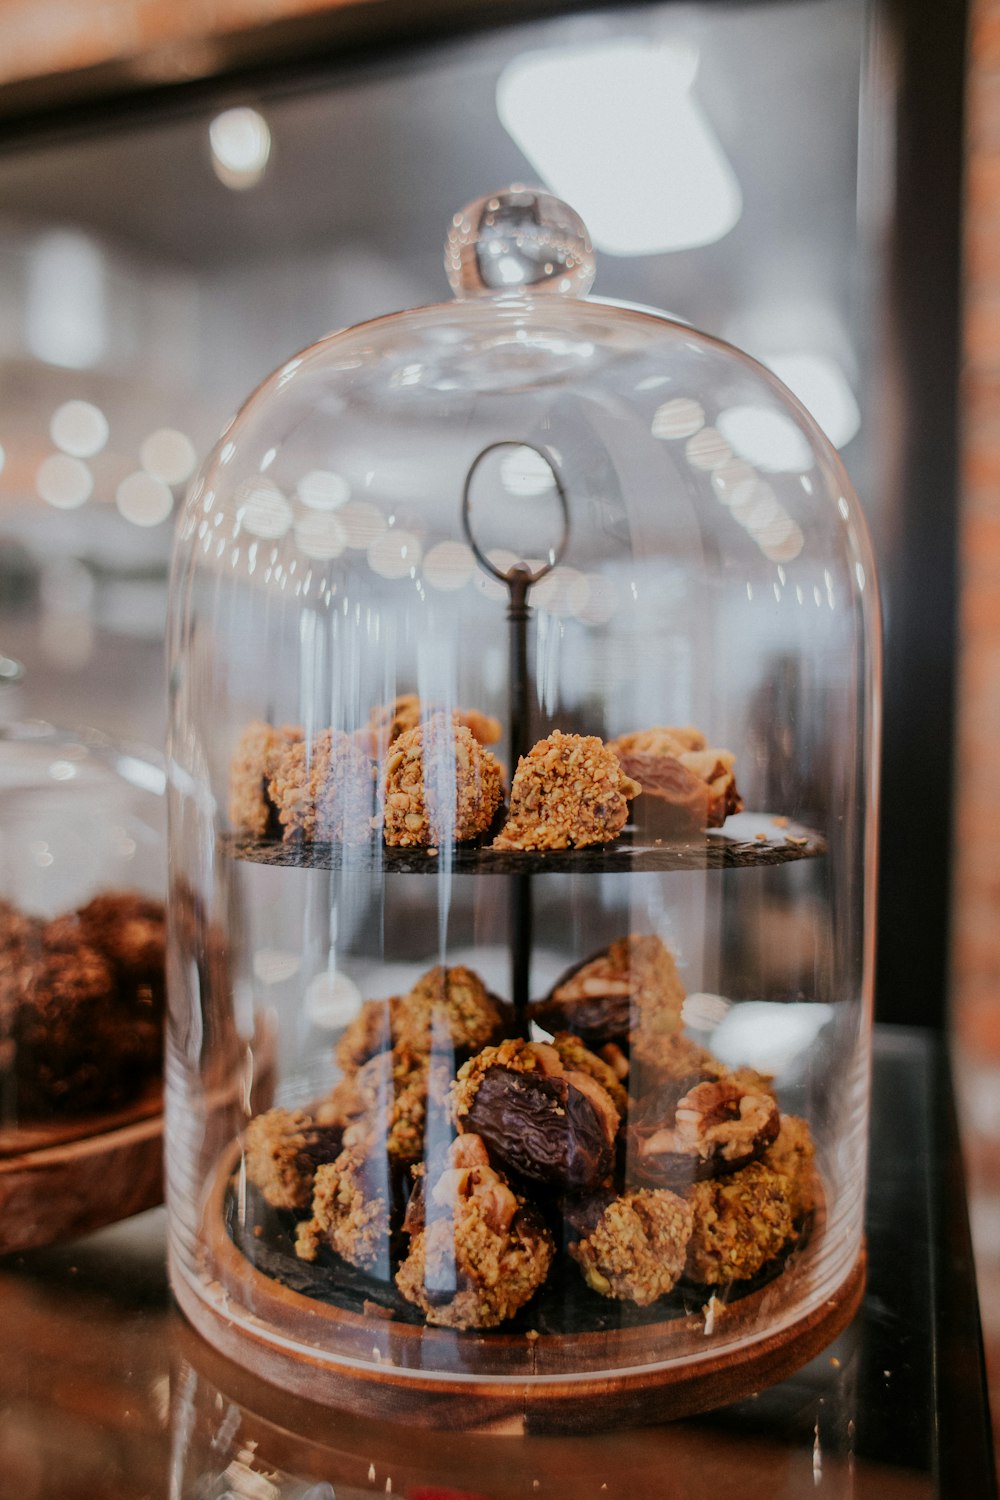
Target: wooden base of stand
379	1367
58	1181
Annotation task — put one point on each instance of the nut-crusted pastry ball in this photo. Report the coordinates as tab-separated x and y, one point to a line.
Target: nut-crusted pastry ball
282	1150
67	1057
261	745
374	1029
383	1104
389	720
629	988
350	1213
569	789
324	792
792	1154
439	786
740	1223
449	1004
539	1120
636	1247
717	1127
686	783
130	930
480	1252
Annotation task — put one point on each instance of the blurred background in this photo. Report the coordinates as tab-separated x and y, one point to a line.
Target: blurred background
190	193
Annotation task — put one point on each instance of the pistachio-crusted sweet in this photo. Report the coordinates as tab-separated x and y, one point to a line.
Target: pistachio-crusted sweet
351	1212
251	809
540	1121
281	1151
438	785
740	1223
449	1005
324	792
686	783
383	1105
388	721
478	1252
792	1153
374	1029
635	1248
630	993
569	790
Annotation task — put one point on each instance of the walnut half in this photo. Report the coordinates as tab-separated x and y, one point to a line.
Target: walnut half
719	1127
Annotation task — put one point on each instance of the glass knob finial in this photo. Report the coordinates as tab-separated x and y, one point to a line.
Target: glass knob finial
520	237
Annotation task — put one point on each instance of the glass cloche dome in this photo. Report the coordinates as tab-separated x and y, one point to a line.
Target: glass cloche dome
82	982
525	676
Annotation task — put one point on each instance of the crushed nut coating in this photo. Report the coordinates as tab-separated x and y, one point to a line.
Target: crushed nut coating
439	785
568	790
636	1251
350	1213
388	721
480	1252
255	761
740	1223
282	1150
793	1153
324	792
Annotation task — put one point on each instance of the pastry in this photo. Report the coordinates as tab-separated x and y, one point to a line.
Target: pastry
792	1153
389	720
740	1223
281	1152
632	1247
568	790
251	809
324	792
439	786
478	1251
629	991
687	785
351	1213
717	1127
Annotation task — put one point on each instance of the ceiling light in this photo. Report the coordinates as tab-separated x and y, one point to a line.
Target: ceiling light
323	489
79	428
824	391
66	321
241	144
263	510
63	481
765	437
144	500
168	455
614	129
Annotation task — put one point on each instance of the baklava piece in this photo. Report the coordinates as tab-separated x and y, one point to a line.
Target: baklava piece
568	790
478	1252
324	792
687	784
740	1223
541	1121
251	809
439	785
632	1247
281	1152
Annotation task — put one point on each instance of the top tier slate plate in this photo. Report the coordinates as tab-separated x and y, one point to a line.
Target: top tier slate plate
747	839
